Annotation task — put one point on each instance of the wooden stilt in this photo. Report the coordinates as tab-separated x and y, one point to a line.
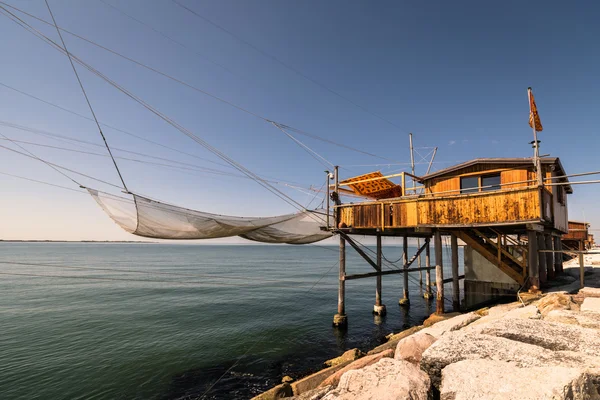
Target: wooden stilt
558	257
420	264
542	257
532	262
455	287
549	257
439	273
404	301
378	308
581	271
340	318
427	293
581	265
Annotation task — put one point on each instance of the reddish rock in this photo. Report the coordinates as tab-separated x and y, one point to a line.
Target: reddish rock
334	379
411	348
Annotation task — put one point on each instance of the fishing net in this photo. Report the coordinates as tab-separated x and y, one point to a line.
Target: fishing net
153	219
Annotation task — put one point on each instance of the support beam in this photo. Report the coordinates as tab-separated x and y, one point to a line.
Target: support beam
532	262
358	249
382	273
427	294
404	301
439	273
558	257
340	318
378	308
549	257
542	258
455	287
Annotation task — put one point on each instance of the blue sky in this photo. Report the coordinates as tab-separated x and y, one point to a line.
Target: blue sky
453	73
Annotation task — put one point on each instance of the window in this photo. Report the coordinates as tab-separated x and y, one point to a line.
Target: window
469	184
490	182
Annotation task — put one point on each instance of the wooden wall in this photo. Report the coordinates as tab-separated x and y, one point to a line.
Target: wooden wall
508	174
577	231
518	205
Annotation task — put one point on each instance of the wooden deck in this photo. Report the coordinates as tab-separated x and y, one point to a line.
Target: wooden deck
509	207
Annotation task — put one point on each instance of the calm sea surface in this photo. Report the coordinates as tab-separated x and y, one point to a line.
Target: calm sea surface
156	321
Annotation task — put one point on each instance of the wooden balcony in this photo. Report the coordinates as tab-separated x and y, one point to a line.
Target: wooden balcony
503	207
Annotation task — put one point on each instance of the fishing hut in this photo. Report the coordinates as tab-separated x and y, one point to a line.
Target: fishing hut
578	236
502	210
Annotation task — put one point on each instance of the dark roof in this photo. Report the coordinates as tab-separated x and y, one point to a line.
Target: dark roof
513	161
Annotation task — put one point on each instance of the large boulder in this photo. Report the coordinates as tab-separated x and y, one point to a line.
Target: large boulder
589	292
556	301
460	345
451	324
549	335
313	381
487	380
435	318
334	379
591	304
411	348
394	339
388	379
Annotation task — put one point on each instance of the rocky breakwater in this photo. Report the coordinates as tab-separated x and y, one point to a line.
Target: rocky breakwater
543	347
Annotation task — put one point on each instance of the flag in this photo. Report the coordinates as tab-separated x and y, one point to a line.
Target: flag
533	113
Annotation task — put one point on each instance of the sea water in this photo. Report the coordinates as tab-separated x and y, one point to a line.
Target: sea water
161	321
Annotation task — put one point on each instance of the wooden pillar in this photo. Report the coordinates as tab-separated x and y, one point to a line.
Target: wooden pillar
340	318
378	308
427	293
542	257
549	257
581	264
558	257
439	274
532	262
419	263
404	301
455	286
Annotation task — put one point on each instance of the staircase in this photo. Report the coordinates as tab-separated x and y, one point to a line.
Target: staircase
510	257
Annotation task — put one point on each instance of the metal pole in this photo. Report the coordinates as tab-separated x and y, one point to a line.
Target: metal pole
455	287
536	146
340	318
427	293
412	168
431	162
439	273
404	301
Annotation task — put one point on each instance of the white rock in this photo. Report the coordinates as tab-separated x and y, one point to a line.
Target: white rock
460	345
591	304
487	380
388	379
451	324
549	335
